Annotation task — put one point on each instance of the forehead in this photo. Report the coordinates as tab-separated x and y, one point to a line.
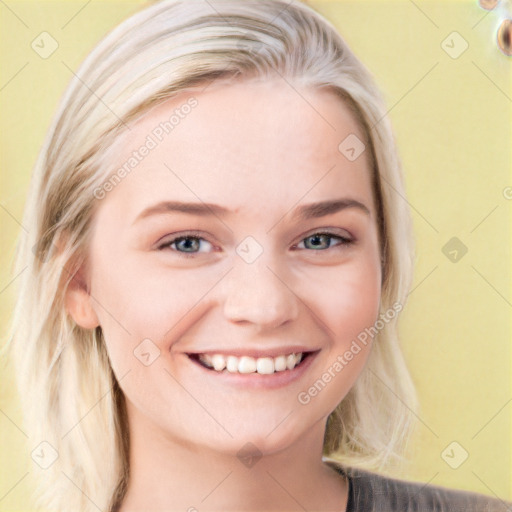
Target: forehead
244	144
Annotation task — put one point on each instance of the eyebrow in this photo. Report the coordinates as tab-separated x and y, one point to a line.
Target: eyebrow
304	212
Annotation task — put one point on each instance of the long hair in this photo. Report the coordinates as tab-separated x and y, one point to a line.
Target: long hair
68	391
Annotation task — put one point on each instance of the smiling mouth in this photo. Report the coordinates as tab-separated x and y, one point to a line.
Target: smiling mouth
246	365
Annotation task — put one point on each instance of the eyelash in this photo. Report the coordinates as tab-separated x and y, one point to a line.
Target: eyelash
344	242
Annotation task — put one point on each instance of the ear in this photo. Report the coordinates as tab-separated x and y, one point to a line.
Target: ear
79	302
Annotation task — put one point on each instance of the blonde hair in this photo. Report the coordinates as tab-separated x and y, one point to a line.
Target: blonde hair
69	393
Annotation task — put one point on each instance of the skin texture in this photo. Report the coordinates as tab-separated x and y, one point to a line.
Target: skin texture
259	149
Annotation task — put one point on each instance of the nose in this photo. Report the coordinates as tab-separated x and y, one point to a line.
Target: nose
258	295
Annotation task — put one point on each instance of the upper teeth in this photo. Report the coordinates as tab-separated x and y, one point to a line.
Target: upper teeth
247	364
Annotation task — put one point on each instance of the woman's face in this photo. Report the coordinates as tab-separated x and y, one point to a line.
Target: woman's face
210	243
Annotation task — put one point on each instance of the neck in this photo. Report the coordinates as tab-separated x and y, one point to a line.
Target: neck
169	474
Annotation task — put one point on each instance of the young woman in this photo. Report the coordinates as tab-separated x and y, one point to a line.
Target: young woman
216	261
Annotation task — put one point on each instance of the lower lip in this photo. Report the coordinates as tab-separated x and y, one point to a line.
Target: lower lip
257	380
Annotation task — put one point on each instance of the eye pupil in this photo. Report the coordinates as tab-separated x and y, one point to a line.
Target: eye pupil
190	245
317	240
187	241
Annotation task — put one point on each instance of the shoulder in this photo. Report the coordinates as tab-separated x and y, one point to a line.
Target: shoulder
390	494
370	491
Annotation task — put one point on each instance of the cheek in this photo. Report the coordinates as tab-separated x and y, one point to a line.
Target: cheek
138	302
347	303
347	299
348	310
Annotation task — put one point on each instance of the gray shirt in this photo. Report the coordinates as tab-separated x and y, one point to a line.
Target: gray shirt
371	492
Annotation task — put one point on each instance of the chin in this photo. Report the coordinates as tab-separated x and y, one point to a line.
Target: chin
261	440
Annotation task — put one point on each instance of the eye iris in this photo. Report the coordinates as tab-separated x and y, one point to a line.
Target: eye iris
186	246
317	238
191	244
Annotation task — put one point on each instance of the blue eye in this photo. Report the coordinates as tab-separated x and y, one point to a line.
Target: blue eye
322	240
188	245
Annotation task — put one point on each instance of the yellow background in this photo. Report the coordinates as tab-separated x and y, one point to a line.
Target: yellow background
452	122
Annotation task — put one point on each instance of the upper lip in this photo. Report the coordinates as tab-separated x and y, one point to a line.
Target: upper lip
264	352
